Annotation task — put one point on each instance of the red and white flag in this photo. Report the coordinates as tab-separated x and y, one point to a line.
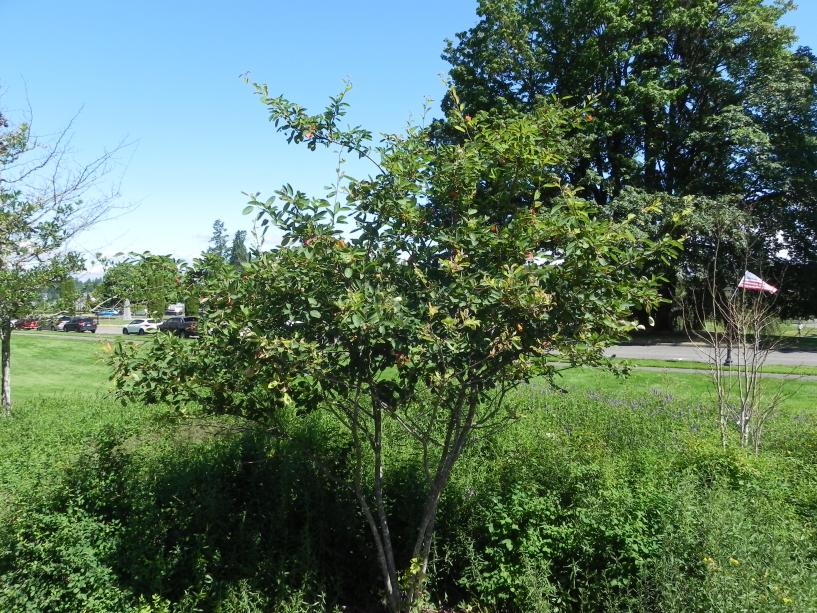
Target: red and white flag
753	283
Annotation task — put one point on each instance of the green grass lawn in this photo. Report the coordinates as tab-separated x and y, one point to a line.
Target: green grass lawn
58	386
91	489
676	385
49	364
691	364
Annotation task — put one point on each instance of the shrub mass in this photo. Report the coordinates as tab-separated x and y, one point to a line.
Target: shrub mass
589	502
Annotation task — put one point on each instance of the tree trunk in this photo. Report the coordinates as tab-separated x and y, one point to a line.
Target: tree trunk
396	601
5	367
663	315
425	532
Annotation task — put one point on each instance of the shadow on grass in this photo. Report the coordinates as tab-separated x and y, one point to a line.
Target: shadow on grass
195	514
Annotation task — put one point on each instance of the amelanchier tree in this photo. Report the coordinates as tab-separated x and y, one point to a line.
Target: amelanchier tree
412	306
41	207
693	98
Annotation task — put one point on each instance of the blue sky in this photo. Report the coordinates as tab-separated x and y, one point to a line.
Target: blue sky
165	77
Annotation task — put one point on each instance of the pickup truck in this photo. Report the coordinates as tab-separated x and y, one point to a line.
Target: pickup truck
183	326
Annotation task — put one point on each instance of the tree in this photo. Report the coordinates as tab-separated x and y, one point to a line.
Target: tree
693	98
738	329
44	202
408	307
238	251
144	278
68	294
749	323
218	241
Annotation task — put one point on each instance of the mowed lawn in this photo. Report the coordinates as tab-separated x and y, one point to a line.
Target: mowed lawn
49	364
57	364
681	385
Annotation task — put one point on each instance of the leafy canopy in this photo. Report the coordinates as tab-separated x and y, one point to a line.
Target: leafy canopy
701	98
150	280
33	228
411	287
412	273
41	209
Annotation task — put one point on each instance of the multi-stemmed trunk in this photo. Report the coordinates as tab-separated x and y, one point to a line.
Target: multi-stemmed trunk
401	598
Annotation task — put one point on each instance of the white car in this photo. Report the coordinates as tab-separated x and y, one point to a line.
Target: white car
177	308
141	326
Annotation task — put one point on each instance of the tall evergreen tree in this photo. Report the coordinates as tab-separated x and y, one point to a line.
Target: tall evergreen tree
218	240
68	294
238	251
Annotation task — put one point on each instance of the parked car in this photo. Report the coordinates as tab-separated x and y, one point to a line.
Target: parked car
60	322
183	326
108	313
54	323
28	324
80	324
141	326
177	308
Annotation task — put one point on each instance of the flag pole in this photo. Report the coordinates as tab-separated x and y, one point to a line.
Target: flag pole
728	360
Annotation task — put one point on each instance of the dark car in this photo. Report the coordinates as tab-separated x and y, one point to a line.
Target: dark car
80	324
183	326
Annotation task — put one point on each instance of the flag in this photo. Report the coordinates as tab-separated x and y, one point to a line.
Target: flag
753	283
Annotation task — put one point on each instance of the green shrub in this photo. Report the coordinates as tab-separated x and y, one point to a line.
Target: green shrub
586	503
61	562
620	505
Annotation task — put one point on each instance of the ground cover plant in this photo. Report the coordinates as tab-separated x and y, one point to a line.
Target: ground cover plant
614	496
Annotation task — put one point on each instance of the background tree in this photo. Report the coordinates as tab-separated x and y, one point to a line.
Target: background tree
415	324
44	202
147	279
693	98
238	251
218	241
68	295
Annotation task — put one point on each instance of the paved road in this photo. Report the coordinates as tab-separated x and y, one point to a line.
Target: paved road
689	352
108	329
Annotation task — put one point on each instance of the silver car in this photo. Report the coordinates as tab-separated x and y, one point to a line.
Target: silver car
141	326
